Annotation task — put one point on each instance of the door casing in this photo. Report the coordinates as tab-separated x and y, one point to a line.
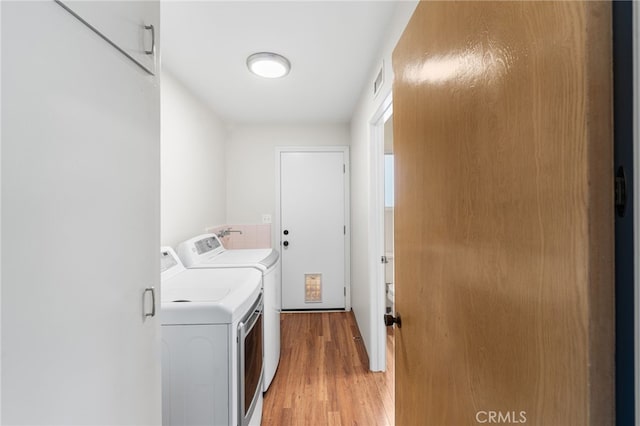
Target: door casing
622	14
378	355
636	199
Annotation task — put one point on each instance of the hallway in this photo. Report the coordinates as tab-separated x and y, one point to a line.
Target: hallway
323	377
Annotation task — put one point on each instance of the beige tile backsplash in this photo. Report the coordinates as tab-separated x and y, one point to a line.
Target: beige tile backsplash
253	236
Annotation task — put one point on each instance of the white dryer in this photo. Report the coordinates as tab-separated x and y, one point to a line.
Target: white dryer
212	360
206	251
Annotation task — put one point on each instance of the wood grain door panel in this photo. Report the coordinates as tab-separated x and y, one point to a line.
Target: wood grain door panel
504	218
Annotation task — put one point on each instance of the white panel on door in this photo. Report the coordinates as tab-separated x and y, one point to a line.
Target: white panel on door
80	225
312	210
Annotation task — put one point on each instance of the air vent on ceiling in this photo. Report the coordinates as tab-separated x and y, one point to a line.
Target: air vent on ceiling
379	81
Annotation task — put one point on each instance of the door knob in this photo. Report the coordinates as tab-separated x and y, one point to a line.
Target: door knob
389	320
286	243
286	232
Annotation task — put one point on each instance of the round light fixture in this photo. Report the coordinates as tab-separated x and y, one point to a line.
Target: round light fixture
268	65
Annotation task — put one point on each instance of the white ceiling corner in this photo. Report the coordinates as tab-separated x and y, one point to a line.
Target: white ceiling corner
332	46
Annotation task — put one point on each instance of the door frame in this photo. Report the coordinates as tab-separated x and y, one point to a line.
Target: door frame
378	355
0	227
626	251
276	240
636	195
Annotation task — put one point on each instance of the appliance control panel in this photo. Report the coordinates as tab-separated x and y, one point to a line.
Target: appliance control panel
206	245
167	261
170	264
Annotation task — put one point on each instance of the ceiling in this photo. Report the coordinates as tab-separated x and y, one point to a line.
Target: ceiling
332	46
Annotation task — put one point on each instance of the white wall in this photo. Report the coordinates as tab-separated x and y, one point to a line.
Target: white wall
362	287
193	190
251	175
0	219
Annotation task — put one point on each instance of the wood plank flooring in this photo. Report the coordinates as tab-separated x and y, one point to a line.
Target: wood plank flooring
324	378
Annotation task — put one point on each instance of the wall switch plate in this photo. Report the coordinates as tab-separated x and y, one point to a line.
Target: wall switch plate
266	218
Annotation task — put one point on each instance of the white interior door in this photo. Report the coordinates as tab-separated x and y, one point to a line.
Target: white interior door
313	229
80	225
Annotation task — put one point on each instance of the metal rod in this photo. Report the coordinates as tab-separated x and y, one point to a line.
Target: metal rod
105	38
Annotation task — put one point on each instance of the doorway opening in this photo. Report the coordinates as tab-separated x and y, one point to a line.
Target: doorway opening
388	218
381	247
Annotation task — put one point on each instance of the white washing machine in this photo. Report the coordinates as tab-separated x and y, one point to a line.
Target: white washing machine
212	359
206	251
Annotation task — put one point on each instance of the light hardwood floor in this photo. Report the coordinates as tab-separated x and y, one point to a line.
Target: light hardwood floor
323	377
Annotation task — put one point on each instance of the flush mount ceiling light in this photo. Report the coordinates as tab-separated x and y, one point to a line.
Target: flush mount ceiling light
268	65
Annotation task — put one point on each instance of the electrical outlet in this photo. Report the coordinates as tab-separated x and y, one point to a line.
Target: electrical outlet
266	218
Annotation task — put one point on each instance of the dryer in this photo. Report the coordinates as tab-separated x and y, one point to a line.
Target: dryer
207	251
212	360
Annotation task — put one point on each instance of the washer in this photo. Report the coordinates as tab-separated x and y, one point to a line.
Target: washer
206	251
212	360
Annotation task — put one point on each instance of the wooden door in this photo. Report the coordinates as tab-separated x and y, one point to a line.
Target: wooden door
313	228
504	217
